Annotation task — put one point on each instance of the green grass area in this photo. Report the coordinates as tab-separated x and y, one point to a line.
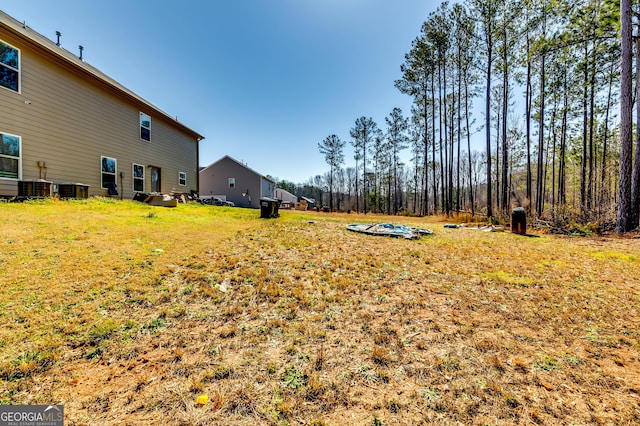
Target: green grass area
128	313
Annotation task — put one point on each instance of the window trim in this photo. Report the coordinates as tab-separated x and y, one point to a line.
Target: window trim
134	178
142	114
17	70
102	172
232	182
18	158
182	181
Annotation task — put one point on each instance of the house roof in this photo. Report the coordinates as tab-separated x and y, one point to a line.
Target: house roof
285	192
227	157
71	62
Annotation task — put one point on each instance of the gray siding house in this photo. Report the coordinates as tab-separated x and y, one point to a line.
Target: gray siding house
232	180
288	199
63	121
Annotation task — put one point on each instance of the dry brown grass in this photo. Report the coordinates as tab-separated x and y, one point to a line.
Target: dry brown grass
126	314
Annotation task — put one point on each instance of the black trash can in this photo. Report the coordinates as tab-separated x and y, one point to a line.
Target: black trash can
519	221
269	207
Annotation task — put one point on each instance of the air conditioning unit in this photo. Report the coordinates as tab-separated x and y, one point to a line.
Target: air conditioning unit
73	190
34	188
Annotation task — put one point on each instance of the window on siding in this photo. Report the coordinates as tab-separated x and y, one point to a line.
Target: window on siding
182	178
109	166
138	177
9	67
232	182
10	147
145	127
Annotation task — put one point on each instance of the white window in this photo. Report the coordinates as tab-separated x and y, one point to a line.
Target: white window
10	159
232	182
9	67
145	127
138	177
108	167
182	178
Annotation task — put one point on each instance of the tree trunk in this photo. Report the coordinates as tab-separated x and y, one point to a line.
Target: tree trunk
364	171
590	179
540	174
497	168
389	191
635	183
331	188
426	151
442	165
553	156
447	189
357	193
433	144
528	101
488	122
583	168
625	207
452	131
562	198
605	143
395	180
505	108
459	118
466	114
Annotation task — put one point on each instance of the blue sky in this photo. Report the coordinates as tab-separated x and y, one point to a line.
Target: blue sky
263	80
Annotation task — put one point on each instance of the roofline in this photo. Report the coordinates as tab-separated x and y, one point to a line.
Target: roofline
284	190
73	64
239	163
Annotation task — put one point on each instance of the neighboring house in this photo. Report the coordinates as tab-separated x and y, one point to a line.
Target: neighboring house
230	179
305	204
310	202
288	199
63	121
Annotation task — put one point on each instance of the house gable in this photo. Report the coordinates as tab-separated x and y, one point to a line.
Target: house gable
284	195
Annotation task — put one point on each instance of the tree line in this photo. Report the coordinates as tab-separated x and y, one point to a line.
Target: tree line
554	110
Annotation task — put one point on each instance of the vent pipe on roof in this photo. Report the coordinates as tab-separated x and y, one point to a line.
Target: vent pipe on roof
58	34
81	49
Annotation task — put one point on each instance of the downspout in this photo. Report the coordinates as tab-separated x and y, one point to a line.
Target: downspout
198	164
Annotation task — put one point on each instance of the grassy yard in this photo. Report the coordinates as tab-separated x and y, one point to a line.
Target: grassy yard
130	314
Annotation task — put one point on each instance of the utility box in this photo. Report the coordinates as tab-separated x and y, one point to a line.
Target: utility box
519	221
73	190
34	188
269	207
